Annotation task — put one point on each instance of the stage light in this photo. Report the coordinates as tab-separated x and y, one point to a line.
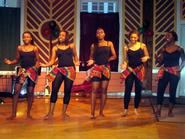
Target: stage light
1	101
47	90
23	91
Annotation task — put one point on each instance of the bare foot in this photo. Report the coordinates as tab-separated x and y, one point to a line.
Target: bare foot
101	115
11	117
92	117
125	113
65	116
29	117
170	114
158	114
48	117
136	112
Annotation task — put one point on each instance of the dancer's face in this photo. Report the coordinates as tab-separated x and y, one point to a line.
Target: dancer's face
27	38
62	36
134	38
169	37
100	34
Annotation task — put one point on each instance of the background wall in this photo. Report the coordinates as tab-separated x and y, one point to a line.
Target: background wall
37	17
9	34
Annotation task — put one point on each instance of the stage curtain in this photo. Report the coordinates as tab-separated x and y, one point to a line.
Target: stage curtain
9	35
89	22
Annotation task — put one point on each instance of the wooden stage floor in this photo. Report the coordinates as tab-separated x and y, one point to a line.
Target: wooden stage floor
79	126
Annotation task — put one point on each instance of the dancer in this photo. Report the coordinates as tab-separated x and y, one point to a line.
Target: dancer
65	71
169	72
102	52
135	54
28	56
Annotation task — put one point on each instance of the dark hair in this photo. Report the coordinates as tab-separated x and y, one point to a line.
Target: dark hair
32	41
174	34
66	42
133	32
100	28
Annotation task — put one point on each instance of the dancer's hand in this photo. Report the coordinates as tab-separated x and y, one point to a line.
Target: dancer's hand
43	65
7	61
77	63
144	59
90	62
123	66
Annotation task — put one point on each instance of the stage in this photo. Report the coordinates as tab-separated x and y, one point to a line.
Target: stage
80	126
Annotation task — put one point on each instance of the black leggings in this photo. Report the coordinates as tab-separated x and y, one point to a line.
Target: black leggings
56	86
128	88
162	84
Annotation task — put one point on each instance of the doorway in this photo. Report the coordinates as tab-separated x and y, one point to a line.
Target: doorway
89	22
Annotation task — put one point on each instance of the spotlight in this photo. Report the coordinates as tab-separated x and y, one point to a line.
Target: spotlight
1	101
23	91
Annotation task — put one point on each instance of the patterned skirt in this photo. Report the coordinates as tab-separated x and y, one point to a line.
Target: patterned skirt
69	72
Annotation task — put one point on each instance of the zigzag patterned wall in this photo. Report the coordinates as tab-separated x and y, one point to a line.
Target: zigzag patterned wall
182	9
164	21
40	12
132	16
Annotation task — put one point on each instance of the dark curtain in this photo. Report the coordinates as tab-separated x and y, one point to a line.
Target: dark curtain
89	22
9	35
